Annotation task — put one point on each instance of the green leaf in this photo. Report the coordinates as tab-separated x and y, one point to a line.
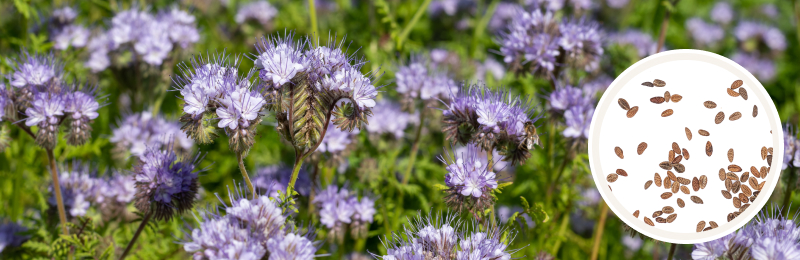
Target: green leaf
23	7
504	184
525	204
440	186
539	214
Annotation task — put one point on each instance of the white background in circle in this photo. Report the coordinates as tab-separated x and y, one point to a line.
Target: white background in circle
697	81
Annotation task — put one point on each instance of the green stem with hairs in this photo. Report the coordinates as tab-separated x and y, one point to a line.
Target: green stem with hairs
787	196
312	12
298	162
406	30
246	177
672	248
62	214
601	225
414	147
136	235
490	167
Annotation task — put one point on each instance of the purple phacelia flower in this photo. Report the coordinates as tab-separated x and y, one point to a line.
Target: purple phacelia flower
11	234
481	155
181	27
597	85
71	35
566	97
165	185
448	7
64	15
410	78
770	10
291	246
338	209
117	189
138	131
642	42
203	81
275	178
704	34
220	238
578	119
260	11
35	70
531	39
503	13
772	37
470	183
336	139
722	13
78	189
768	236
98	48
489	66
790	147
239	108
763	69
46	112
80	109
617	4
280	59
389	118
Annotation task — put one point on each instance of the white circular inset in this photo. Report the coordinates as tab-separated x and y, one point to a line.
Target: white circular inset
697	76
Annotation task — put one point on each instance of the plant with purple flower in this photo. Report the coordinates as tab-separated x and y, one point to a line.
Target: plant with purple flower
340	210
336	140
422	79
581	40
11	234
78	188
643	43
722	13
493	120
260	11
135	132
275	178
578	119
470	182
390	119
752	35
704	34
34	70
763	68
113	193
771	235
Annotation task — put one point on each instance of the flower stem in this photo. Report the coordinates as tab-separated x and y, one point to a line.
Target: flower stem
787	196
244	173
490	167
297	164
406	30
312	12
664	25
136	235
561	169
601	225
62	214
414	148
672	248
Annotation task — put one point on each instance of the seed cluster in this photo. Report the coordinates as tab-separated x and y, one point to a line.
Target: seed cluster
742	188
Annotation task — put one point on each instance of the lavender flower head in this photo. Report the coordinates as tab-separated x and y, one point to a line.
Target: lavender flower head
260	11
704	34
642	42
531	40
768	236
118	189
564	98
280	60
164	184
36	70
10	234
582	41
470	184
339	209
722	13
71	35
336	140
497	165
275	178
291	246
763	68
445	237
81	108
791	147
578	120
46	112
78	189
772	37
390	119
138	131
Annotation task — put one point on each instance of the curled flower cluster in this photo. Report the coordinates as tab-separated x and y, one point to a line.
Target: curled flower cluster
493	120
535	41
135	132
642	42
212	89
164	184
41	98
470	183
422	79
150	37
312	86
338	208
336	140
275	178
390	119
444	237
704	34
10	234
769	236
63	33
260	11
252	229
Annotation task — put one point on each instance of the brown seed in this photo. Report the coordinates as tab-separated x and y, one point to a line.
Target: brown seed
726	194
676	148
657	100
737	83
632	112
753	198
732	176
719	117
648	221
730	155
636	213
657	179
734	168
695	184
735	186
666	195
657	213
709	148
737	202
680	168
747	191
667	96
761	185
676	98
743	198
612	177
672	176
671	218
661	220
735	116
728	184
622	172
681	203
671	155
618	151
684	181
623	104
722	174
667	113
696	199
743	93
640	149
763	153
688	134
647	184
700	226
703	181
676	187
732	93
647	84
707	229
703	132
685	153
744	207
755	172
753	182
769	150
755	110
730	217
764	172
667	210
677	159
685	189
713	224
659	83
769	160
665	165
667	183
744	177
709	104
